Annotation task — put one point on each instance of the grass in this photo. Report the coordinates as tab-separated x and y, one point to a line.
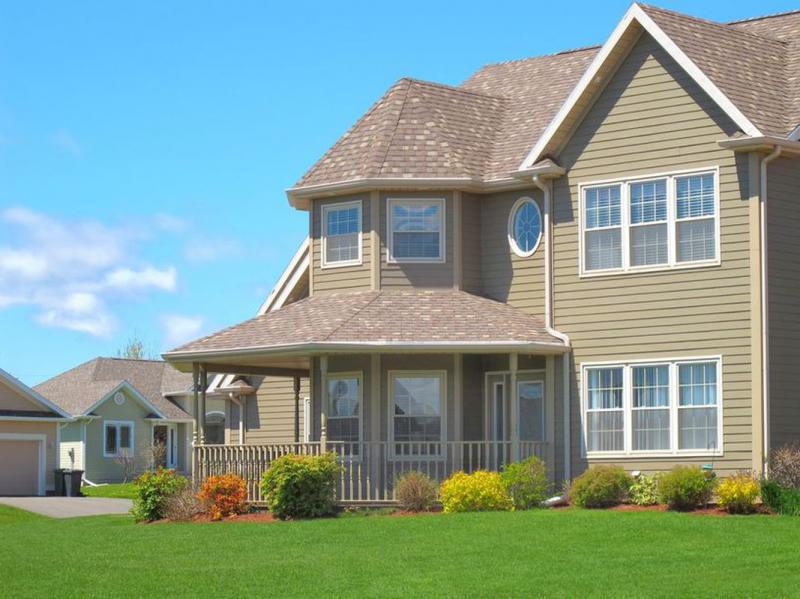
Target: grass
551	553
117	490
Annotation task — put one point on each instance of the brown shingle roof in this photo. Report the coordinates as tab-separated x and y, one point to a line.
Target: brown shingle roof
78	389
415	317
484	129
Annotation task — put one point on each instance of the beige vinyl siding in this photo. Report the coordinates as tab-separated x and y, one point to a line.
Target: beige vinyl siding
420	275
471	248
506	276
341	278
11	399
783	267
270	412
652	118
49	429
71	439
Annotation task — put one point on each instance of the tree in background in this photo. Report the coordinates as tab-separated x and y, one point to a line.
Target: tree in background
135	349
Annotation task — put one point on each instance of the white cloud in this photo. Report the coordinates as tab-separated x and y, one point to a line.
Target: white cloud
128	279
69	271
180	328
64	140
170	223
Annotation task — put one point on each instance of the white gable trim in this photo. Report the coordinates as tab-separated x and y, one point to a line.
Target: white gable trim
31	394
635	13
125	385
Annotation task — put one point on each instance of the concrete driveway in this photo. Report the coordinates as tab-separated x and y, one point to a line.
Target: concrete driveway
69	507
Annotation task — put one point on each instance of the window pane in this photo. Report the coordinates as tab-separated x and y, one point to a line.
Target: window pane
417	408
605	431
124	437
697	384
649	245
342	221
343	409
605	388
648	201
527	226
416	230
603	249
696	240
650	386
697	428
650	429
531	412
695	195
111	438
603	207
342	227
341	248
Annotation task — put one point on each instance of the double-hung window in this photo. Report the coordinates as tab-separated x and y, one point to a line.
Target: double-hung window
669	221
117	439
341	234
417	402
344	409
416	230
659	407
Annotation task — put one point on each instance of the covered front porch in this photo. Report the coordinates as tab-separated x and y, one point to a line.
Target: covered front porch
475	388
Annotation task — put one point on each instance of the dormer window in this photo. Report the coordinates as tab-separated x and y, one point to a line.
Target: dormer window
416	230
341	234
525	227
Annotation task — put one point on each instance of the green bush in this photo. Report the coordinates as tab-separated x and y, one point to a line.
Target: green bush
644	490
301	486
781	500
526	483
600	486
152	490
738	493
481	491
686	487
415	491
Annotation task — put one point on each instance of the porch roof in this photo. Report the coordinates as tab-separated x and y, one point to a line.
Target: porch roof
422	321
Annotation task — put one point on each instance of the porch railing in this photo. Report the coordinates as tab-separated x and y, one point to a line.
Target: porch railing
369	469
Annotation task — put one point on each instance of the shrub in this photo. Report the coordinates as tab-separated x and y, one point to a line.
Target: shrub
223	495
644	490
301	486
686	487
600	486
481	491
784	466
182	506
415	491
526	483
781	500
738	493
152	489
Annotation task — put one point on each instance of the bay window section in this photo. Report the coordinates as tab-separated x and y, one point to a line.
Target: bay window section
416	230
341	234
417	409
344	407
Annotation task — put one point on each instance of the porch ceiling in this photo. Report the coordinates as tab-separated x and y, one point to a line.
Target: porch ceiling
386	321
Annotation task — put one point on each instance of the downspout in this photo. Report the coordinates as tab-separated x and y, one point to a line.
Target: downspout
764	305
546	189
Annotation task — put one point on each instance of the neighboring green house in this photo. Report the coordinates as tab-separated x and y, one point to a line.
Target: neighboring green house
121	409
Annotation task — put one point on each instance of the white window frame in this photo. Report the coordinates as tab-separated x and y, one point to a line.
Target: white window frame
627	407
625	225
324	229
390	257
511	239
117	424
358	375
442	374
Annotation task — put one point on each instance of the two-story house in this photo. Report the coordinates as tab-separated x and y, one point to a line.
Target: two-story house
590	256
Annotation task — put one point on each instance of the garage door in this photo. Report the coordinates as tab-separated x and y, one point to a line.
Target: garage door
19	467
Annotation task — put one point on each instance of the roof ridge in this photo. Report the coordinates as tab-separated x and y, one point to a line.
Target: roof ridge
763	17
454	88
540	56
352	316
389	141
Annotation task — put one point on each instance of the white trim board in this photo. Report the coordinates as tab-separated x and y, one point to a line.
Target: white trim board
125	385
638	15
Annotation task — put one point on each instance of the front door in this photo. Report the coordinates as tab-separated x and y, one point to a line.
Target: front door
165	445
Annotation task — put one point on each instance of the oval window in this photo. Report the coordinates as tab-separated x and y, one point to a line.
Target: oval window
525	227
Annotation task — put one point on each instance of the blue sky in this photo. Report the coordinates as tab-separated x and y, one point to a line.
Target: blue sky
145	147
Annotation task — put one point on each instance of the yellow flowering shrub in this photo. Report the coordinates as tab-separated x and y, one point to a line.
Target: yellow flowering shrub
738	493
481	491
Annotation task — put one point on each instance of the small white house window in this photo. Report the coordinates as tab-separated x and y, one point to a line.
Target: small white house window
603	226
605	415
417	408
416	230
117	439
341	234
696	211
344	407
525	227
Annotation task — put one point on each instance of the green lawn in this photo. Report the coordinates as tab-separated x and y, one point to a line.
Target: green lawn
542	553
119	490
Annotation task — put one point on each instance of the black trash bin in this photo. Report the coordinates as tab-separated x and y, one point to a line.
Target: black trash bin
73	482
61	488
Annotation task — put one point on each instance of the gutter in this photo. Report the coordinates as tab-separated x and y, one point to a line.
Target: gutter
762	143
546	188
776	152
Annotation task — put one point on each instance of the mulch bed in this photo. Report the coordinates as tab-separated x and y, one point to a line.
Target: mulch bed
712	510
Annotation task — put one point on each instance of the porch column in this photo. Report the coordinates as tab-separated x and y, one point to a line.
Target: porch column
202	412
513	365
297	409
323	400
195	387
